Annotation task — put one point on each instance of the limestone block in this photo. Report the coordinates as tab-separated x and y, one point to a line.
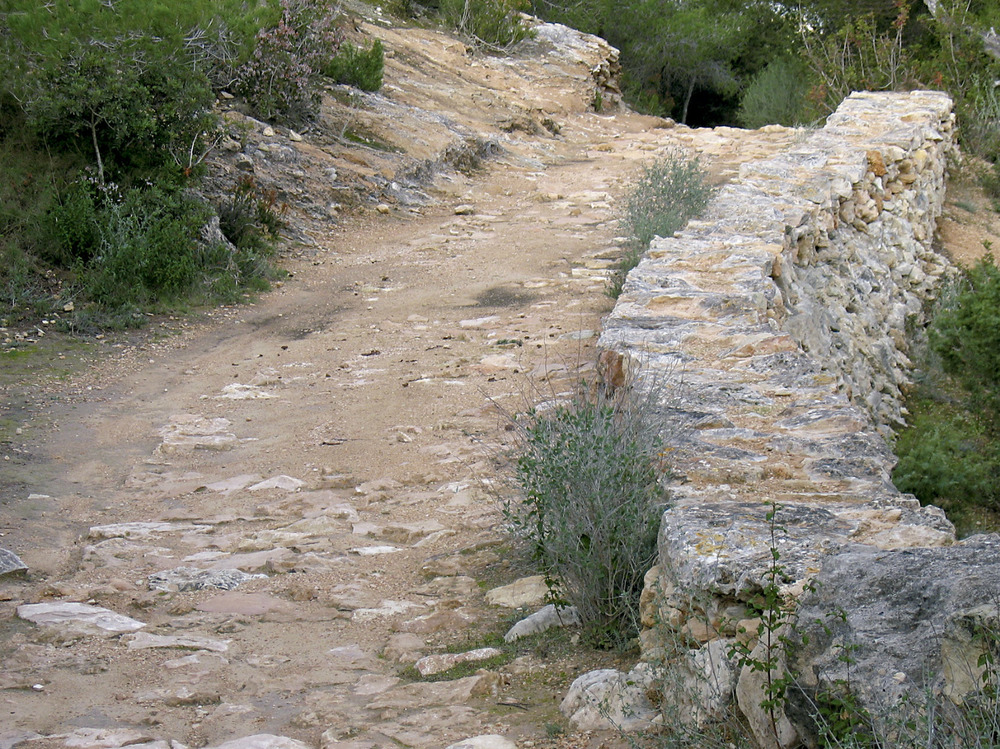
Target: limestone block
489	741
771	727
707	683
542	620
78	618
902	612
610	699
523	593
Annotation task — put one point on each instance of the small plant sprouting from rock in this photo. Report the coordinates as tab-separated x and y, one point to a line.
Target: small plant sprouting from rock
669	193
589	477
764	652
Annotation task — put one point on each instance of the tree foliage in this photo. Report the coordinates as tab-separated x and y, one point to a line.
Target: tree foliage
715	62
106	114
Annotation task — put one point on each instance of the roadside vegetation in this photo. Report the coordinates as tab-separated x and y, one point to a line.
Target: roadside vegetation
587	486
950	454
107	114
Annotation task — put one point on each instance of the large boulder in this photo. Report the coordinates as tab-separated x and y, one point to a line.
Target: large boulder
884	624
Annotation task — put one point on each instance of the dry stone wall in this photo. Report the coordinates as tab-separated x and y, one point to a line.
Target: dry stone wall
775	332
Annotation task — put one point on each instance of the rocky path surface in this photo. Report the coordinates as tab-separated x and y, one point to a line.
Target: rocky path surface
257	526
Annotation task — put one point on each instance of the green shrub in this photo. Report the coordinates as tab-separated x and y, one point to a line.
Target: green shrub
589	476
147	248
946	460
493	23
250	218
989	180
777	95
965	333
950	453
669	193
361	68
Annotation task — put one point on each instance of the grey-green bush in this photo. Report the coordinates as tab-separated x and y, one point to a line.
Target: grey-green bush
589	502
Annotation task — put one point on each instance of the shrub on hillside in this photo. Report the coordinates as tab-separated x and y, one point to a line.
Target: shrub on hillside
777	95
495	24
358	67
950	453
131	105
590	496
280	80
966	335
129	247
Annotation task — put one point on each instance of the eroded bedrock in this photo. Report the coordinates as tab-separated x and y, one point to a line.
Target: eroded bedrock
773	334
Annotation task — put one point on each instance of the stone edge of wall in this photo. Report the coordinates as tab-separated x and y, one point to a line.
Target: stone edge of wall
773	332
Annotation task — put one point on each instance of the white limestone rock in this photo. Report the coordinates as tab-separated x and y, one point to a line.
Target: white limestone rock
78	618
610	699
262	741
527	592
542	620
147	641
436	664
488	741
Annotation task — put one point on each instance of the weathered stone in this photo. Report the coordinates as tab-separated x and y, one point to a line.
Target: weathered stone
192	432
707	684
286	483
102	738
610	699
912	612
488	741
456	692
184	579
542	620
404	647
78	618
10	562
145	641
449	620
527	592
142	531
436	664
262	741
771	726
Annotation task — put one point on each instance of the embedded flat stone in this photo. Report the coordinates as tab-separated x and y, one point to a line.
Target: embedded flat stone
78	618
524	593
436	664
147	641
183	579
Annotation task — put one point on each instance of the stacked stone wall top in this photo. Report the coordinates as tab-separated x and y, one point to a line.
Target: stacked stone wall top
775	326
775	331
